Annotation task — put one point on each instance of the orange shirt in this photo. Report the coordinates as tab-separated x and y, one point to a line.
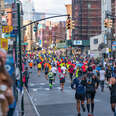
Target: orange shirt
31	64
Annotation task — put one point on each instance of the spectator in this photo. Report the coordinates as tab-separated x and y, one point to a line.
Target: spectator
6	94
3	55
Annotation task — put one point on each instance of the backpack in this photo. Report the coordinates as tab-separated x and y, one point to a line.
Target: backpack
90	85
80	90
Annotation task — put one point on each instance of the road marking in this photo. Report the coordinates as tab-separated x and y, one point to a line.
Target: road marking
42	83
47	89
31	84
58	88
97	100
35	89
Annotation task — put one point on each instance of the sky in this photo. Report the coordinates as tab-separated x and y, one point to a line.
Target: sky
51	6
55	7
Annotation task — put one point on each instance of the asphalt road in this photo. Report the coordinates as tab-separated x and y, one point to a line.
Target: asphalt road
56	103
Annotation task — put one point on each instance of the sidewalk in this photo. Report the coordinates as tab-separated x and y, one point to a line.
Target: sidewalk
28	107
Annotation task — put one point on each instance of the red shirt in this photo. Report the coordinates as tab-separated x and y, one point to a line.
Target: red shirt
59	69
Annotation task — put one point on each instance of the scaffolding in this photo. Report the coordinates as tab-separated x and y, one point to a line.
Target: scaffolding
1	13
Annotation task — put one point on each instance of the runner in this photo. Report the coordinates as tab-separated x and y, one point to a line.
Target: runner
54	71
63	68
46	71
79	85
39	68
91	86
112	86
102	78
62	80
51	78
31	66
71	71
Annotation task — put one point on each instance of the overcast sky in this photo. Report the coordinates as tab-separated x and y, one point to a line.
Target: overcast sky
51	6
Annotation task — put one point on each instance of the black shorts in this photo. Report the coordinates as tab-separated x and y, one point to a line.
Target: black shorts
54	74
71	76
102	83
90	95
62	80
80	97
46	73
39	69
112	100
50	81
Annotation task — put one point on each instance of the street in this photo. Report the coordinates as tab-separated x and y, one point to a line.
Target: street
56	103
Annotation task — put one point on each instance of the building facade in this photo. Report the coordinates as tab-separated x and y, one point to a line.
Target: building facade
87	17
106	8
113	3
51	33
1	13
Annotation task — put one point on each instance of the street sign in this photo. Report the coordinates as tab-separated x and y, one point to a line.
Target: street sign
7	29
10	65
4	43
77	42
24	43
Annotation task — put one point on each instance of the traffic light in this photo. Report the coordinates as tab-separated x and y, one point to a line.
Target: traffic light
106	23
35	28
68	23
110	23
72	24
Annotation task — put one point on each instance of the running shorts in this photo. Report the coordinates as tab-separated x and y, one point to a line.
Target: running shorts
39	69
54	74
80	97
62	80
90	95
112	100
46	73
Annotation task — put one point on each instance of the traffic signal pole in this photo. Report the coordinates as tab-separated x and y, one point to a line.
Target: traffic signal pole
20	55
44	19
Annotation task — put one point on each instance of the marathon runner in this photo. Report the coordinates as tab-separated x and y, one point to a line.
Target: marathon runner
39	68
54	71
62	79
112	86
102	78
51	78
92	83
79	85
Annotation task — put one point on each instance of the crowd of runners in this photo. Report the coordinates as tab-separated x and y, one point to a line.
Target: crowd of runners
86	75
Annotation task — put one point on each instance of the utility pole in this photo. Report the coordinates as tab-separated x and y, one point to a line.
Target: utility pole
20	53
19	37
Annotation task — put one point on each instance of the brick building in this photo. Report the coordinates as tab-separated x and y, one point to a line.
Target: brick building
87	17
52	33
113	4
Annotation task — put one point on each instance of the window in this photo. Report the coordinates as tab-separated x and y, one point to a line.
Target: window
13	15
89	6
95	41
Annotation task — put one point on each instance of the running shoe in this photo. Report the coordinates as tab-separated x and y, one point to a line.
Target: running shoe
89	115
92	114
84	109
114	113
79	114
